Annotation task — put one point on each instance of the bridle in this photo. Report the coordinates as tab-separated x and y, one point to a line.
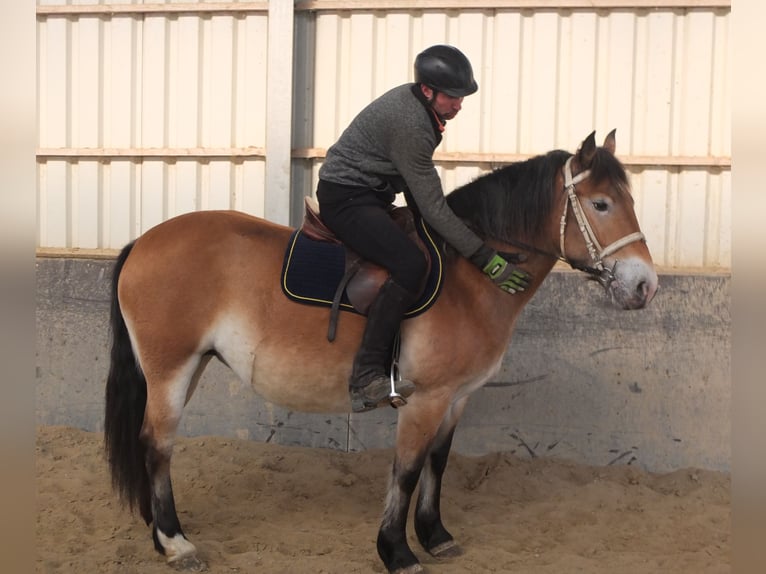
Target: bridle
604	275
599	271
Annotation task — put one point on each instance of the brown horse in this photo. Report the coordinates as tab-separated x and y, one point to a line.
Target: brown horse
207	284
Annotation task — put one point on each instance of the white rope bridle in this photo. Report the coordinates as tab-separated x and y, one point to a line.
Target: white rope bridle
597	253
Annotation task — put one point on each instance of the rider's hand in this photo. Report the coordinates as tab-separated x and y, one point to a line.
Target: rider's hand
505	275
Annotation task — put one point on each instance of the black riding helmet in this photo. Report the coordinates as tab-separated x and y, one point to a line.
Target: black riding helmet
445	69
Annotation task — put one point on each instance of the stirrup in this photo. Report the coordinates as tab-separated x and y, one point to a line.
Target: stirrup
395	399
361	401
378	392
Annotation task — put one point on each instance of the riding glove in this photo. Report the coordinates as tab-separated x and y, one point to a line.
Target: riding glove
508	277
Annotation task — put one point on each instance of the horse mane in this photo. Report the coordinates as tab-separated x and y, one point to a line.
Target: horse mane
517	199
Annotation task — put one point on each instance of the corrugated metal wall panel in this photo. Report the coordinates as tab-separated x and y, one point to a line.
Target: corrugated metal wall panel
547	79
178	81
137	82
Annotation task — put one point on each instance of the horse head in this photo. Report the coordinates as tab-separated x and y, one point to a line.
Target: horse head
598	229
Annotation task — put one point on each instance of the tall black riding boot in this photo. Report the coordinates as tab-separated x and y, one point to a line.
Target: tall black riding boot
370	385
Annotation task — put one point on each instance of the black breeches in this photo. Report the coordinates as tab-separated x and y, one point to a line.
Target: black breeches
363	222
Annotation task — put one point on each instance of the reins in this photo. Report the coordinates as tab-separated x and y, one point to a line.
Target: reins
599	271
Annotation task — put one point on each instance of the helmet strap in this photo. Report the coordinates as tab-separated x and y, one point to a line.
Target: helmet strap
439	121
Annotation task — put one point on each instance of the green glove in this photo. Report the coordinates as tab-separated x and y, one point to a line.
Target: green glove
506	276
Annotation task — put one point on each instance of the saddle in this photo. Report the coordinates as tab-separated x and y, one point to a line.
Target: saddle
361	279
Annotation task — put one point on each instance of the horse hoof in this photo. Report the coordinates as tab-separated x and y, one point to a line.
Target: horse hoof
409	570
449	549
189	564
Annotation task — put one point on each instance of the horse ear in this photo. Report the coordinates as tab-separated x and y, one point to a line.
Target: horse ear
610	141
587	151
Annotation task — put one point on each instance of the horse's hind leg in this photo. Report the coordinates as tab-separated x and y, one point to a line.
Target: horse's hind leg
166	396
432	534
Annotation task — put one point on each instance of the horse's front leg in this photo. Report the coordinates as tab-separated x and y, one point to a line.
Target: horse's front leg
417	426
432	534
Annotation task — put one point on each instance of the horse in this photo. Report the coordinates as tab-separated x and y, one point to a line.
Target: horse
206	284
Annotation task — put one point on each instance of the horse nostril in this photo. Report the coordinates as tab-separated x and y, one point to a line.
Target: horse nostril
646	290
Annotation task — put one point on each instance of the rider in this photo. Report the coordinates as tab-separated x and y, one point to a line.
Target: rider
387	149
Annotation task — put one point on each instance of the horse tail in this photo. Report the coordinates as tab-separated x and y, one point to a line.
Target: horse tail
124	409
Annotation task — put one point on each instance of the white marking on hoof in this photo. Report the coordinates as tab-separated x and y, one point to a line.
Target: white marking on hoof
410	569
177	548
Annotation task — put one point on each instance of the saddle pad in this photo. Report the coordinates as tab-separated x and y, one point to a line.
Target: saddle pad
312	271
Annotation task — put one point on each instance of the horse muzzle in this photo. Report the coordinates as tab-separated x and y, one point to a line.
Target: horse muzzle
630	284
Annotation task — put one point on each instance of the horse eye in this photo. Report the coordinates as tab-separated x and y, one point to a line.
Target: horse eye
600	205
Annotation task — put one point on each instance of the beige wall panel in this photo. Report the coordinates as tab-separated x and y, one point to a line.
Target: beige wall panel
184	85
120	83
250	81
649	130
146	82
103	205
499	88
150	199
650	189
53	71
718	243
327	100
686	216
118	194
547	78
52	204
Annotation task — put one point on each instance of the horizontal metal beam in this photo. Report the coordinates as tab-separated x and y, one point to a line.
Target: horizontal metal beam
149	153
408	5
447	158
158	8
506	158
374	5
76	253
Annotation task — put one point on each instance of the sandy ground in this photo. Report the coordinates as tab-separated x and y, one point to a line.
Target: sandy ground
252	507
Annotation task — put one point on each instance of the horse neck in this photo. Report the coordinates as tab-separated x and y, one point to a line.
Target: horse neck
466	287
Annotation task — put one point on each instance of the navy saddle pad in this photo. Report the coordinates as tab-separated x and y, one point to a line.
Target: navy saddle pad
312	271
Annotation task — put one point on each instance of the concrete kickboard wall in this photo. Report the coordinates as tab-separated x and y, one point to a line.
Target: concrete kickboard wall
580	381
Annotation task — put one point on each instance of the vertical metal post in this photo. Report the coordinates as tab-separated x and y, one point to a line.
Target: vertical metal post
279	111
303	110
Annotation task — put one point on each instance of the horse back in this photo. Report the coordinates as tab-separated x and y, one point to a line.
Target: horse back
196	248
190	269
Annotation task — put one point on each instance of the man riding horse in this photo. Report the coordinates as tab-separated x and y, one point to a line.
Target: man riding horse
388	149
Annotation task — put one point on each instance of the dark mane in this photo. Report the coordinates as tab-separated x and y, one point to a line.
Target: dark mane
517	199
512	200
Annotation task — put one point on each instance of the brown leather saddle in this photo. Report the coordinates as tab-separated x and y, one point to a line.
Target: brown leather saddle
362	279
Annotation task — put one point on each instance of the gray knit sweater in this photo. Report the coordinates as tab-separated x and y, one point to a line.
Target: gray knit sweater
394	139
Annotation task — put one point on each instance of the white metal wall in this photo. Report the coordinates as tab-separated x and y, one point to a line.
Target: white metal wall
157	85
145	110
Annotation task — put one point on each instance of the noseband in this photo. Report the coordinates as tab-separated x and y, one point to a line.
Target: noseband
601	273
